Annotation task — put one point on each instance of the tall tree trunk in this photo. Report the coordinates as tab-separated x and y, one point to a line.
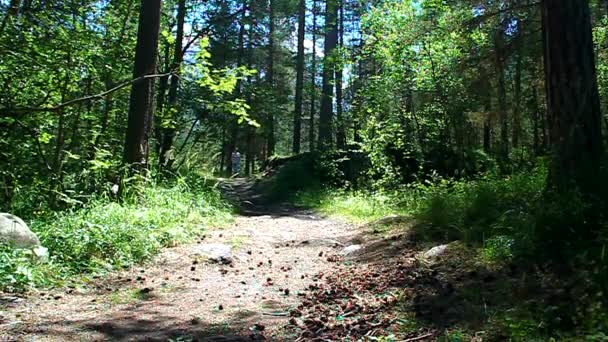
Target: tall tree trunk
169	132
502	93
297	114
341	127
517	107
161	96
572	96
313	80
270	79
537	122
250	136
331	38
140	103
357	120
487	129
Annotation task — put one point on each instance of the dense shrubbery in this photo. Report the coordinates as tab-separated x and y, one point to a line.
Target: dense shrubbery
106	235
509	220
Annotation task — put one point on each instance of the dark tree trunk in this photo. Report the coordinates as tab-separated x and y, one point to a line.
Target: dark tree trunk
502	94
223	154
313	80
357	120
341	127
160	101
250	149
331	38
140	103
537	122
487	135
297	114
169	132
572	96
516	129
270	79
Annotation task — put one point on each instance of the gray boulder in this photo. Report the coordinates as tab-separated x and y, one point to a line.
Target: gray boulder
16	233
214	252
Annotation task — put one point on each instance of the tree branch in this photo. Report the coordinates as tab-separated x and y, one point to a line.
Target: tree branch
101	95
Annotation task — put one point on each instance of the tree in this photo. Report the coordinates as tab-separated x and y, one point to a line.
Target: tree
502	91
313	80
140	103
297	114
572	96
340	124
331	39
168	131
270	134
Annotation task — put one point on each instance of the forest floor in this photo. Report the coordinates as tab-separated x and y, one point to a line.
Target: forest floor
294	276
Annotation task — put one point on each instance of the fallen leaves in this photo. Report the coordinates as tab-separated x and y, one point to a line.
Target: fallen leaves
351	302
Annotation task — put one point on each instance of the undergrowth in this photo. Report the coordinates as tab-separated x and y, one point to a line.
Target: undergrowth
508	220
105	235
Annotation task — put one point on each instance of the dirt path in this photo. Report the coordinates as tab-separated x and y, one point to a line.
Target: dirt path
180	297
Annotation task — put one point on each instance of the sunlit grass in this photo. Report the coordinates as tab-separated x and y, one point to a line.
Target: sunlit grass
105	235
357	207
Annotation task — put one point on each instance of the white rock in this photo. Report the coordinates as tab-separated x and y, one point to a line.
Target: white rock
16	233
350	249
215	252
42	253
435	252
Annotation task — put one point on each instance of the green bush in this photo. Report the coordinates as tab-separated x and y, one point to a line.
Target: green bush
475	211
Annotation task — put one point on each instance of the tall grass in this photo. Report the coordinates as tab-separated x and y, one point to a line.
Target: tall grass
106	235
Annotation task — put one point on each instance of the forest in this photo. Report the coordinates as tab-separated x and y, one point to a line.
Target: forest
303	170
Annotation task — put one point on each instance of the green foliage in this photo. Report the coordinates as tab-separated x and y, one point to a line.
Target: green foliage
19	270
106	235
290	175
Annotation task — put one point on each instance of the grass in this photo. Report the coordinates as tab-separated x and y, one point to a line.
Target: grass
105	235
358	206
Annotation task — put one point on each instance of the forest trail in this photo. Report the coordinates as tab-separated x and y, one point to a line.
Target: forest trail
276	251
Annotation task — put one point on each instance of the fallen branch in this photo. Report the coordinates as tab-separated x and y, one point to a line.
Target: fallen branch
101	95
276	314
418	338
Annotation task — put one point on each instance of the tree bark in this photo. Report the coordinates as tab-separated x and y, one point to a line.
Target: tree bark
140	102
331	38
270	79
537	122
313	80
502	93
341	128
573	103
169	132
516	129
161	97
297	114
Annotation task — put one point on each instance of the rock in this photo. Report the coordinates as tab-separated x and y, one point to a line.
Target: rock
214	252
42	253
16	233
350	249
435	252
